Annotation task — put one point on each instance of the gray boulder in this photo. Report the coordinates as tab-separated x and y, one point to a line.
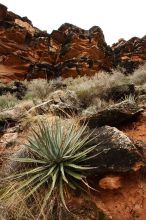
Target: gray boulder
61	102
115	152
114	115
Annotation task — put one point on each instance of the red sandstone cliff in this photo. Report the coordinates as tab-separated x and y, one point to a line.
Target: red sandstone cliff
26	51
130	54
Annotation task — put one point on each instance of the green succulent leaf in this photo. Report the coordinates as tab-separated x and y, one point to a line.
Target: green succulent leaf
27	160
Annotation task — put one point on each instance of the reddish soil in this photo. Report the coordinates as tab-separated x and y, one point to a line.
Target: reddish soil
137	130
128	202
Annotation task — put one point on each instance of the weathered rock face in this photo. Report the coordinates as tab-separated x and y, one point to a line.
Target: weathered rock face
26	52
130	54
114	115
82	52
115	152
19	46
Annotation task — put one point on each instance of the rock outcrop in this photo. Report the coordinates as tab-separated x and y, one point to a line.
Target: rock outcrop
17	88
130	54
115	152
27	52
114	115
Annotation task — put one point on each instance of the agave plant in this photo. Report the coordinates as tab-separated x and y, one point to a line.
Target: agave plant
60	158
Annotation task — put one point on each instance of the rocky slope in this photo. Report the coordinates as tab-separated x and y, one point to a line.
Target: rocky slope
119	177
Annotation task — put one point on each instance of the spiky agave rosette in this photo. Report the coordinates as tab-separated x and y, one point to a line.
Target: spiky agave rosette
58	159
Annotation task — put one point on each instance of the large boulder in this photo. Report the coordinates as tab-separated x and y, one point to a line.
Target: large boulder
12	116
114	115
115	152
61	102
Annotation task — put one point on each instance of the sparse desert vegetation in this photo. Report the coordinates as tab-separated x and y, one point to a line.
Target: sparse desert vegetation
72	117
41	180
91	92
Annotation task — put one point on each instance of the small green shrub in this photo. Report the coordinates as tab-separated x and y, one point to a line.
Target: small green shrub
59	158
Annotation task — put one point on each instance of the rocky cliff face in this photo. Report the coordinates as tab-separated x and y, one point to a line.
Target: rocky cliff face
20	45
26	52
130	54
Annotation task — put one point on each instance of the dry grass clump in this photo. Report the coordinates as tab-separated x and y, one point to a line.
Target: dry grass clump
38	89
8	101
100	104
16	207
41	88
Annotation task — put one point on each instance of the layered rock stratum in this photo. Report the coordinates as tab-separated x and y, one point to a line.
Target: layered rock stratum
27	52
130	54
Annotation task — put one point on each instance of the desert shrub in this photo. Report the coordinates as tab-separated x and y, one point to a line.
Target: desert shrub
7	101
89	88
139	76
58	160
38	89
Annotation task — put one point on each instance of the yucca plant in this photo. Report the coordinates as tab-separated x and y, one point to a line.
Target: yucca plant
59	159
